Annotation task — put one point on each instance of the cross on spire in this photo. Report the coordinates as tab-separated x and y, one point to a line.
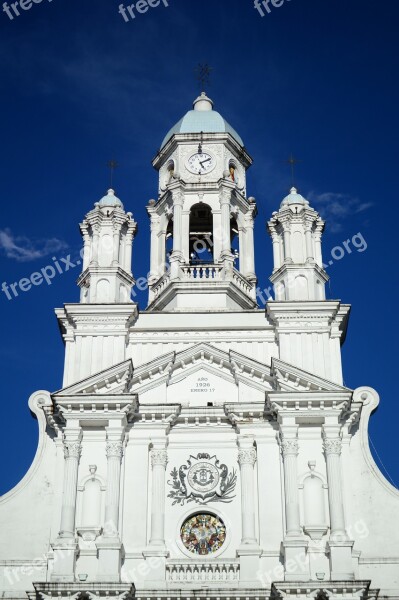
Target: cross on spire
292	161
112	165
203	72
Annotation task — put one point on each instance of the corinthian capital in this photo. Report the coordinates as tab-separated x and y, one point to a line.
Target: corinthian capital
247	456
159	457
289	446
332	445
114	449
72	449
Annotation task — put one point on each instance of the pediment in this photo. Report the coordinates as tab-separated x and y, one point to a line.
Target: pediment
293	379
114	380
199	361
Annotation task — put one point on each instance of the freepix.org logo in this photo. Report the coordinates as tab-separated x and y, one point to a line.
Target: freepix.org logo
266	5
13	10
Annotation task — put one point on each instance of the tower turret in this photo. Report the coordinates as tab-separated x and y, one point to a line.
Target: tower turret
202	248
296	231
108	233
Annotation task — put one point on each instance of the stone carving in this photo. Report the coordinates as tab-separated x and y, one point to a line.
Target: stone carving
247	456
202	479
332	445
114	449
72	449
289	447
159	457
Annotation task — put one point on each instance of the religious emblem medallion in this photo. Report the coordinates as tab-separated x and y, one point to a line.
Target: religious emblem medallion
202	479
203	534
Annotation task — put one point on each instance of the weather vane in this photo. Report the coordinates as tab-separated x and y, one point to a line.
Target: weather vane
292	161
112	165
203	75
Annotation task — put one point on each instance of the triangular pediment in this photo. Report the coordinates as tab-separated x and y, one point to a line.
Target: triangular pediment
293	379
174	367
114	380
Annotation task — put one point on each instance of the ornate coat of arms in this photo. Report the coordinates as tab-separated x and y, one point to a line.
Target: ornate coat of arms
202	479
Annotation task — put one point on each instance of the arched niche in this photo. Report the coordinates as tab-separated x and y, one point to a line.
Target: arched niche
105	254
301	287
103	291
314	504
90	506
297	247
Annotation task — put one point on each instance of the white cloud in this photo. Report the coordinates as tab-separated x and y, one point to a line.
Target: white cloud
335	208
22	249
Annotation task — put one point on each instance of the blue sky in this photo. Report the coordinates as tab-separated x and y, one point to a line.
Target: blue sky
79	86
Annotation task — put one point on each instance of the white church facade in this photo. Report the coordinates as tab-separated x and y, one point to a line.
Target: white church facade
203	447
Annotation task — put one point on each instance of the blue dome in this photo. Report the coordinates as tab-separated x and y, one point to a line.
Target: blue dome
110	200
203	119
294	198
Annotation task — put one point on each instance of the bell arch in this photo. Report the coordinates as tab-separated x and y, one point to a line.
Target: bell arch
201	247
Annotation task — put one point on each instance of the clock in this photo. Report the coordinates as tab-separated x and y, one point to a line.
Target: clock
201	163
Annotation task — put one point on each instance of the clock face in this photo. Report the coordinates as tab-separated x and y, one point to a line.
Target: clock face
201	163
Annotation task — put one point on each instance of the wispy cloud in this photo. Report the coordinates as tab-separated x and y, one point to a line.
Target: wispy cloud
22	249
335	208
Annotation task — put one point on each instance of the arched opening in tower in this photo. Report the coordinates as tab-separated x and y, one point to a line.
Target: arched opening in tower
235	242
201	235
168	243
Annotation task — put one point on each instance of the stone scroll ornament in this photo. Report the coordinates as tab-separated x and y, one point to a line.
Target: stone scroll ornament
202	479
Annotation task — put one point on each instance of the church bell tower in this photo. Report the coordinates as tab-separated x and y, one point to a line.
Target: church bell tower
202	245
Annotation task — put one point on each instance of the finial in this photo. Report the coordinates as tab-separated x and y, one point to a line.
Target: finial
292	161
203	75
112	165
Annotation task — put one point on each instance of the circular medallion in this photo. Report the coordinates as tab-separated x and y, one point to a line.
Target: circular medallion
203	477
203	534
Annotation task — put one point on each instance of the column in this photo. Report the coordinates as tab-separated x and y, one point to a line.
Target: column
72	452
339	546
287	243
289	449
114	451
226	254
86	248
95	243
128	251
332	450
249	255
317	240
177	254
276	250
66	546
247	459
177	222
225	198
110	547
155	240
309	244
249	550
295	545
116	243
159	460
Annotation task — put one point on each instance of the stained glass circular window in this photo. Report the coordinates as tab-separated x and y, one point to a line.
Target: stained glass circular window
203	534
